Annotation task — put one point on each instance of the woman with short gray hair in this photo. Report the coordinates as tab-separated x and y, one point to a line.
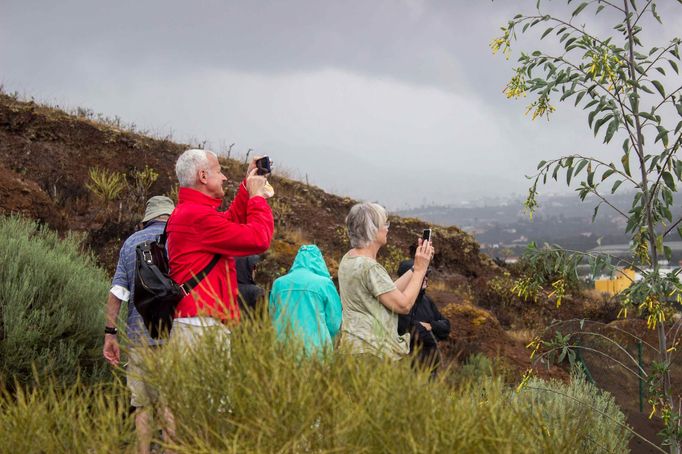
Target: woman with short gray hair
371	300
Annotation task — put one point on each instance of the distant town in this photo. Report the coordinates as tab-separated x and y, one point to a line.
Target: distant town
503	228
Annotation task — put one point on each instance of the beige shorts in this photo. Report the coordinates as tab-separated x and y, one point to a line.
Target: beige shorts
186	332
142	394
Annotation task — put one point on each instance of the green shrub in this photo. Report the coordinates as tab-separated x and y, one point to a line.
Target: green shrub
51	305
553	405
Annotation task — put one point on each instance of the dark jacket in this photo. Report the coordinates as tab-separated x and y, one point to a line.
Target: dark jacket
249	292
424	310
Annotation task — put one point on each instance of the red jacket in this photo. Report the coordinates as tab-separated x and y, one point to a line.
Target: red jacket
197	231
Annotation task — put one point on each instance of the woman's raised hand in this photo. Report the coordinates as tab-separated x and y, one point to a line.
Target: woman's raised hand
423	256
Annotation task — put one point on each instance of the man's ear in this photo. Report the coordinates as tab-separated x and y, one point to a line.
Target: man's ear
202	176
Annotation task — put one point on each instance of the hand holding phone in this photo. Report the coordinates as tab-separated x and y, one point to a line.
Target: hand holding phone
426	235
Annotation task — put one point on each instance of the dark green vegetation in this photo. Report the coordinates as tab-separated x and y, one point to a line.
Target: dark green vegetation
51	311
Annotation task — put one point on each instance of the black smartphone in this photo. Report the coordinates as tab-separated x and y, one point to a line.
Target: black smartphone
264	166
426	235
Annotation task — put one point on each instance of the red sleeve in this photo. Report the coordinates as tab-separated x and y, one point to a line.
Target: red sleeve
237	210
222	236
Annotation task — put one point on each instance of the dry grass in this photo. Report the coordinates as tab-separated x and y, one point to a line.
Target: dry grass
440	286
266	396
523	335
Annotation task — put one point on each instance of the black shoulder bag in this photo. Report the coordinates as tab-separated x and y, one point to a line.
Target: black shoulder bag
156	294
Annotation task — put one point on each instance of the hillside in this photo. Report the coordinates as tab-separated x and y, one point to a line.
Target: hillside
46	155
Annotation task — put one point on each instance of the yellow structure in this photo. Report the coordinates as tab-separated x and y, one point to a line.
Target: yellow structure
622	280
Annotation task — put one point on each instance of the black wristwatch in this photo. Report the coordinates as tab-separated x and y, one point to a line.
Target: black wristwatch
110	330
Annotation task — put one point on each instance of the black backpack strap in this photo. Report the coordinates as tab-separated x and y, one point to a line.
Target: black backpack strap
195	280
162	238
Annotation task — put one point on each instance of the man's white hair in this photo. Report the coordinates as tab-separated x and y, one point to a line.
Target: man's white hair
363	222
189	164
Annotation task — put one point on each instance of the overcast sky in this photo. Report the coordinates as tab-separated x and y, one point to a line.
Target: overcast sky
396	101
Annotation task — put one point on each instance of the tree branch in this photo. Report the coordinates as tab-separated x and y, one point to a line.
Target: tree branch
672	227
603	199
639	16
652	63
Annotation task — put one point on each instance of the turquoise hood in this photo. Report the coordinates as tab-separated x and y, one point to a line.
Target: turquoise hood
309	257
305	303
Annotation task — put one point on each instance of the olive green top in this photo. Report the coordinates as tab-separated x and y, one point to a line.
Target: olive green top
368	326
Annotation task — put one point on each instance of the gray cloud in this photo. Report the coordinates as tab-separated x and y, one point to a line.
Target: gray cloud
396	101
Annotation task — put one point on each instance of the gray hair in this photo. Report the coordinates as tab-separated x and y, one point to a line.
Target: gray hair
363	222
189	164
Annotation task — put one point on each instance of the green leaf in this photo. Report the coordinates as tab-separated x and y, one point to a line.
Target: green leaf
668	179
655	13
625	160
673	65
679	231
594	215
647	115
615	186
662	134
579	9
579	98
542	163
667	195
547	32
659	243
659	87
668	252
678	106
591	103
607	174
634	101
611	130
590	177
580	166
569	174
601	7
600	122
667	213
646	89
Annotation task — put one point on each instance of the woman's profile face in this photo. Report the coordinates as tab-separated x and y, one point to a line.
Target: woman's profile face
382	234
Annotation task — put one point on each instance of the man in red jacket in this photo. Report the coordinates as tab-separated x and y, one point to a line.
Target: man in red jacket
198	233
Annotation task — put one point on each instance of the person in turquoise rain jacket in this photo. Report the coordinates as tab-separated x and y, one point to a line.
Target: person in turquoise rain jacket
305	303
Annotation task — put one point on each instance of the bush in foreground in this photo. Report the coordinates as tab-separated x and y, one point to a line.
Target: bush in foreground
51	305
269	397
72	419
